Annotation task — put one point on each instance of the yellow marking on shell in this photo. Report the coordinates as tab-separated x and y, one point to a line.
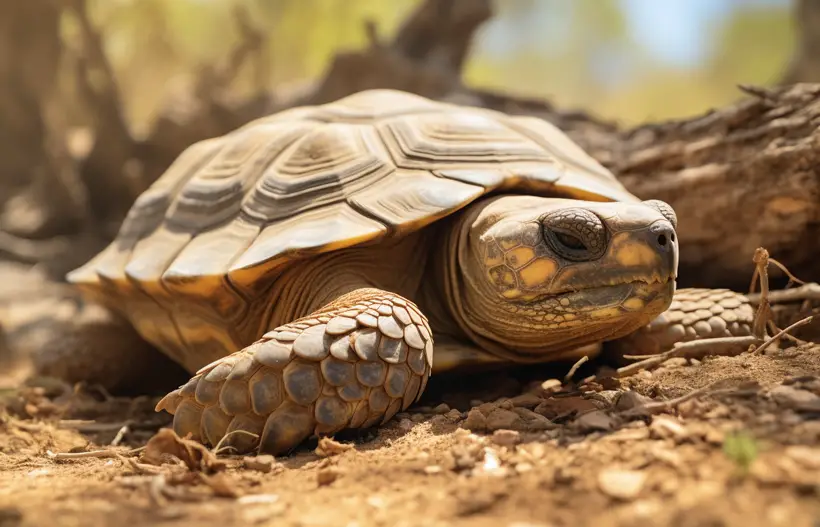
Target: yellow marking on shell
606	312
520	257
511	293
538	272
633	304
507	244
492	261
570	323
508	278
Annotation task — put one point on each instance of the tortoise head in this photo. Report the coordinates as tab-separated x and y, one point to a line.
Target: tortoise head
544	275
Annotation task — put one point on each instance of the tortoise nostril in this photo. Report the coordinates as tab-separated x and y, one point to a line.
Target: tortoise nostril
662	240
672	237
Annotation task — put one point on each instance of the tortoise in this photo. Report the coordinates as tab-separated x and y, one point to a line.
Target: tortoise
301	266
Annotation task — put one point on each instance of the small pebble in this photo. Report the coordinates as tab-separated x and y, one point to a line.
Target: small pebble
503	418
475	421
621	484
551	385
433	469
597	420
330	447
443	408
795	398
263	463
326	476
526	400
667	427
507	438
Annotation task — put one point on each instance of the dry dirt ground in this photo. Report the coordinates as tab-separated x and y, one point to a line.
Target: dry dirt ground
501	449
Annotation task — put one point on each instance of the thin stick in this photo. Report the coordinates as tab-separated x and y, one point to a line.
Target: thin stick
763	314
109	452
782	332
792	278
660	406
809	291
92	426
82	455
575	367
218	446
120	435
715	346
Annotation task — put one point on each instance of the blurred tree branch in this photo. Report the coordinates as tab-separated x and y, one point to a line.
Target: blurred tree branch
805	63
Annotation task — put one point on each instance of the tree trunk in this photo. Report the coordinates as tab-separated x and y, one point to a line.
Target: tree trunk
805	63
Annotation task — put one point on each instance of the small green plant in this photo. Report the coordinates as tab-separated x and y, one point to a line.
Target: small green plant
742	449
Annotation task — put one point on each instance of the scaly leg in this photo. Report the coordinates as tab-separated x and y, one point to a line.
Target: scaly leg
352	364
694	314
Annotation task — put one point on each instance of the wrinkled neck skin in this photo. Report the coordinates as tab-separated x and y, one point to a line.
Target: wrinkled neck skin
534	329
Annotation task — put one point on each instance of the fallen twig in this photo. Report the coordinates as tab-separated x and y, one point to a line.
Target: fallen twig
782	332
106	453
575	367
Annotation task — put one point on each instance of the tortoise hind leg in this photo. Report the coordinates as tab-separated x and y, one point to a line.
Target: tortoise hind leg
694	314
352	364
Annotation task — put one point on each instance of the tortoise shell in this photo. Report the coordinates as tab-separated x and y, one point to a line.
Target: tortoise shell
225	218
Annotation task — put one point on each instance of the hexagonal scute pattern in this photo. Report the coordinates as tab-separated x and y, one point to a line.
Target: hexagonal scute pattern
350	366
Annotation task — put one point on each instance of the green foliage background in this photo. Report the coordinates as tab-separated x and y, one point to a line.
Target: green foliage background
156	45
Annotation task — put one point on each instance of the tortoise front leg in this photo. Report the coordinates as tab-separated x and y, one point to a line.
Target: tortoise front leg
352	364
694	314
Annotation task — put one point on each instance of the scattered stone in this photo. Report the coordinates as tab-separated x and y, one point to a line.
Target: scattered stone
453	416
606	398
795	398
433	469
526	400
418	418
534	421
443	408
505	404
807	457
676	362
475	421
551	385
595	421
406	425
556	408
629	400
667	427
502	418
507	438
263	463
326	476
330	447
621	484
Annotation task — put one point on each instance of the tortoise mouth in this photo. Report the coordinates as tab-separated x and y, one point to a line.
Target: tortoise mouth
622	287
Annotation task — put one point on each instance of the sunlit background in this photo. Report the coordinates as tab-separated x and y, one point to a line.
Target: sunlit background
630	60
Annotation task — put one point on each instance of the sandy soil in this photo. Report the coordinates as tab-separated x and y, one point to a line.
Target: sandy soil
491	449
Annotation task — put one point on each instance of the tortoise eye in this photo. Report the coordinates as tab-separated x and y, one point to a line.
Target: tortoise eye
574	234
570	241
